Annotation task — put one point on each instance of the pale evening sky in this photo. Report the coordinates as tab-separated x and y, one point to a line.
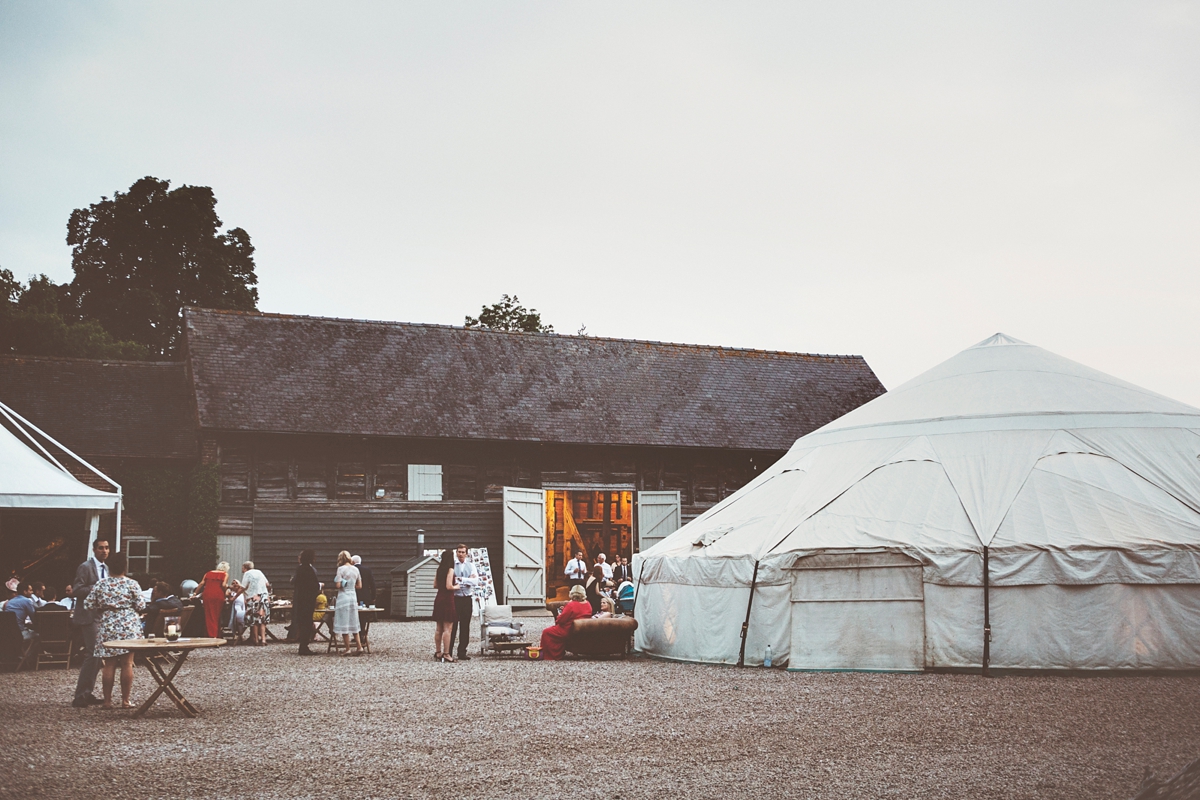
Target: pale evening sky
894	180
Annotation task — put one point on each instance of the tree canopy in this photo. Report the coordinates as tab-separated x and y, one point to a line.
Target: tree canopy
144	255
30	324
509	315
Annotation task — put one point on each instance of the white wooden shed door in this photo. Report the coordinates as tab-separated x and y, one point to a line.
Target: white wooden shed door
658	517
236	550
524	547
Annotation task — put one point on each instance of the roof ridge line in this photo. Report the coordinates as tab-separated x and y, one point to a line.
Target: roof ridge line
74	359
396	323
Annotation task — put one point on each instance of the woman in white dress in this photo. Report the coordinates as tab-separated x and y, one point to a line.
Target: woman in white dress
345	611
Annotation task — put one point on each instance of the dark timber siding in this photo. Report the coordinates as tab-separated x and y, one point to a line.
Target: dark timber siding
311	471
384	537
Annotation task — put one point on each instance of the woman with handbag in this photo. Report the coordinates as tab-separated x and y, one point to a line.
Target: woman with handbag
345	609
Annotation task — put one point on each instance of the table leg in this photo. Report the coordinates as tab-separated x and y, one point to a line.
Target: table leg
334	645
166	685
173	692
362	634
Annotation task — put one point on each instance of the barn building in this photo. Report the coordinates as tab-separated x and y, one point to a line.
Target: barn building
342	434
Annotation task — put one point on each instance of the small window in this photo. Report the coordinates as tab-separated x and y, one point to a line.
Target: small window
424	481
144	554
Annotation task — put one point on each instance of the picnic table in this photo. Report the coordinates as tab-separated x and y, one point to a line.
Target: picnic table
365	616
156	655
281	611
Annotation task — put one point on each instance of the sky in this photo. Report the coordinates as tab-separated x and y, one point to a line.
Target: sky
896	180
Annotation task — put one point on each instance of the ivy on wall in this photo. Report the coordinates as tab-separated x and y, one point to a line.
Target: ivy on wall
198	552
177	506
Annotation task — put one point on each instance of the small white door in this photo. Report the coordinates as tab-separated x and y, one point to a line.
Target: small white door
524	547
658	517
236	550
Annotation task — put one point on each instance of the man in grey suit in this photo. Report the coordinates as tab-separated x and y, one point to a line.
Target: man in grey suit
86	576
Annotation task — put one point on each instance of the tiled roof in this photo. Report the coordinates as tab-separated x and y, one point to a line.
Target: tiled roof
104	408
270	372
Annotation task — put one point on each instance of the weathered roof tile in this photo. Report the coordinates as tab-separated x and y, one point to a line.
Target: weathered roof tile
104	408
271	372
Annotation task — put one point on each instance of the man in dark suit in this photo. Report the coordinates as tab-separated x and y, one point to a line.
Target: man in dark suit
367	593
305	588
88	621
621	571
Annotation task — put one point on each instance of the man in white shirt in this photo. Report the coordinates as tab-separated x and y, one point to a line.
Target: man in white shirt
605	567
576	570
467	578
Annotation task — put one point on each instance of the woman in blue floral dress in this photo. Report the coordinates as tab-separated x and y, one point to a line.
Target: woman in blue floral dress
119	599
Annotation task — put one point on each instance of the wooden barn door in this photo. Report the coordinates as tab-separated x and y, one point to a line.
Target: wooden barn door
524	547
658	517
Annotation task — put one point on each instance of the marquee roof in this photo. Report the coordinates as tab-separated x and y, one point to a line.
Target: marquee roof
29	481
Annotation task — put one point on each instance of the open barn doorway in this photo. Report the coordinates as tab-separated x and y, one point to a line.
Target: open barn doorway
595	521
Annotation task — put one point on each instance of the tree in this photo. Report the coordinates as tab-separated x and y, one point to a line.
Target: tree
31	324
144	255
509	315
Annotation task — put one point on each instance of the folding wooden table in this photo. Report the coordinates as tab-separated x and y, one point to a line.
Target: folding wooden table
365	617
157	656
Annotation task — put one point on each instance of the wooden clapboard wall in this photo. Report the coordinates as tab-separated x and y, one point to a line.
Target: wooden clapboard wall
384	537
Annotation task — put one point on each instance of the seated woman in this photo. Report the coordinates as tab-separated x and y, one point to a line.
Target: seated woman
322	605
555	637
607	609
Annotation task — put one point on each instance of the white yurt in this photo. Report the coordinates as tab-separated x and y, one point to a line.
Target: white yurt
1009	508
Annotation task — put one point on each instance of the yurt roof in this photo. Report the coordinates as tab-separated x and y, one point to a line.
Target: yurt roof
1003	383
1005	445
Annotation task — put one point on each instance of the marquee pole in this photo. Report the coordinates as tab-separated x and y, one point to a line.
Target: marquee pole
746	625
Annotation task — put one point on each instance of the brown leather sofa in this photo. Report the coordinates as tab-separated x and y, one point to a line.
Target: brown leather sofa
608	636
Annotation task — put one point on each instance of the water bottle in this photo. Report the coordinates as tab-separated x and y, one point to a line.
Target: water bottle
767	657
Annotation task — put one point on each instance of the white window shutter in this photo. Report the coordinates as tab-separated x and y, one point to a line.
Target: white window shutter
424	481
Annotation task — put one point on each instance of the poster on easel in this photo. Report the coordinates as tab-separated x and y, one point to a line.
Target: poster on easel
484	591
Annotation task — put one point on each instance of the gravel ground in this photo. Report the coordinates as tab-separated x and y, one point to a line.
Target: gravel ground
396	724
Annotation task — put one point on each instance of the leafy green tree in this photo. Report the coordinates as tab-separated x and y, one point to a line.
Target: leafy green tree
144	255
31	324
509	315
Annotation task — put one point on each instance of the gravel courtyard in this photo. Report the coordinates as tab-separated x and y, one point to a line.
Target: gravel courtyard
396	724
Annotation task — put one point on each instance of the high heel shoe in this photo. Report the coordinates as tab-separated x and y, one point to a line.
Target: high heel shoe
449	660
437	656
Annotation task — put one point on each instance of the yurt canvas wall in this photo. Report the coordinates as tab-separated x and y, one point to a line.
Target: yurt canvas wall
869	535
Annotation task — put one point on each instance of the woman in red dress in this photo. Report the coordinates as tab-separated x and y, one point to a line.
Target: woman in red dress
555	637
213	594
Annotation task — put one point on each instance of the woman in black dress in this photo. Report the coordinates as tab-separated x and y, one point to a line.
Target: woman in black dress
592	587
443	608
